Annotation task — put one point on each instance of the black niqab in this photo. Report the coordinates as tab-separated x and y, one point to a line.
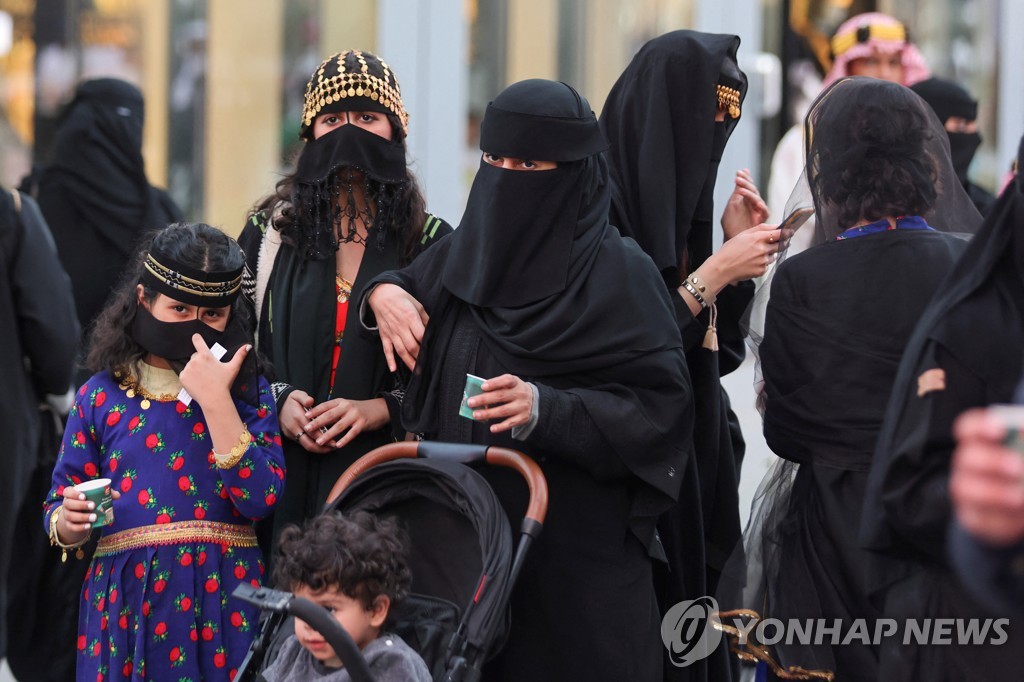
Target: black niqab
666	143
949	100
608	322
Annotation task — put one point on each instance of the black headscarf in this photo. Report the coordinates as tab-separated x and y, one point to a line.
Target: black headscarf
592	311
659	119
948	100
95	195
97	162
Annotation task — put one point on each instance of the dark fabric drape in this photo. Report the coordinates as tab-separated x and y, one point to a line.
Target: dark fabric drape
94	193
971	336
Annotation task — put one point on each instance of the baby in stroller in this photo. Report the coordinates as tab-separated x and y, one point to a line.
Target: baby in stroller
354	566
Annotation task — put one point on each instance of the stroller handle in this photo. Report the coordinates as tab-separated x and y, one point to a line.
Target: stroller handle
503	457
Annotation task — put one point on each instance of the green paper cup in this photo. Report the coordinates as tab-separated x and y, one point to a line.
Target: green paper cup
97	491
474	386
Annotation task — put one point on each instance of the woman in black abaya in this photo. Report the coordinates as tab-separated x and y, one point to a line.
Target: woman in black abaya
668	118
885	199
572	328
94	193
966	352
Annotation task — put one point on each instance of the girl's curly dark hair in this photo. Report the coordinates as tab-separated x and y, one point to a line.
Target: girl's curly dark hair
405	206
868	157
362	556
196	245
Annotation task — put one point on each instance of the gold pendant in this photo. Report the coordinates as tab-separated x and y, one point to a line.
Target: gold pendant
130	393
145	403
63	555
79	554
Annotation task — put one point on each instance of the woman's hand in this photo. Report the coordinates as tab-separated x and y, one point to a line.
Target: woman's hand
207	379
293	418
350	417
987	482
401	321
746	255
506	397
745	207
77	515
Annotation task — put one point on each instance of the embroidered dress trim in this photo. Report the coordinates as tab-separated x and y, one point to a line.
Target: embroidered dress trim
233	535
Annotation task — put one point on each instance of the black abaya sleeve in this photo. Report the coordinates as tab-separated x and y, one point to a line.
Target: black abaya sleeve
566	428
915	487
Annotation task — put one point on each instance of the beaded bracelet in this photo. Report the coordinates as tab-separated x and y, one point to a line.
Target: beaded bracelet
230	459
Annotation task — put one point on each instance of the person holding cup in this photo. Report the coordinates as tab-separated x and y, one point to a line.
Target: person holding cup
572	330
187	448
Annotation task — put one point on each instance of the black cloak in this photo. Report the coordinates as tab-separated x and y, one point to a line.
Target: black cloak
965	352
94	193
586	319
665	148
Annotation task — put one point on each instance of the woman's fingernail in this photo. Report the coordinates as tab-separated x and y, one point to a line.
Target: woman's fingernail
92	517
91	505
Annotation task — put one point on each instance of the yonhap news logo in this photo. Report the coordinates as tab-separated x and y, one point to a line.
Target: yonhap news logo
691	630
688	631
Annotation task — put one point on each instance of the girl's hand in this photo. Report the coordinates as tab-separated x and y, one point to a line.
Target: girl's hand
505	397
349	416
77	515
745	207
401	321
206	378
292	419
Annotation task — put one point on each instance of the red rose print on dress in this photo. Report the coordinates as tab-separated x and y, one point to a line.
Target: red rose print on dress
147	499
98	397
159	585
199	431
165	515
136	424
176	460
114	461
200	510
183	603
78	439
114	416
187	485
155	442
127	480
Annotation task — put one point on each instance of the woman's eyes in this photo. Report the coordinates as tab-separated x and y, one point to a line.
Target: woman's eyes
180	309
528	164
367	118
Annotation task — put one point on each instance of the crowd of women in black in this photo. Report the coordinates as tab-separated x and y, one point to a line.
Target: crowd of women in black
583	286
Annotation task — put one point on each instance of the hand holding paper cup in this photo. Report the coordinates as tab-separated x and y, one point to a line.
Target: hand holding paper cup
474	386
98	492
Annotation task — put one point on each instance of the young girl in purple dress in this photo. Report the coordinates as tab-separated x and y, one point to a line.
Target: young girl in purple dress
189	471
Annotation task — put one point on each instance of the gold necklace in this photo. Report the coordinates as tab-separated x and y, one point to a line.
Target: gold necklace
132	387
344	288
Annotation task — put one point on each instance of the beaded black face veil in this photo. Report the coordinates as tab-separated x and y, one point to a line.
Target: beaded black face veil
333	166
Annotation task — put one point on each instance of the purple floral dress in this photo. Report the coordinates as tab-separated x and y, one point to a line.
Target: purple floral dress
156	601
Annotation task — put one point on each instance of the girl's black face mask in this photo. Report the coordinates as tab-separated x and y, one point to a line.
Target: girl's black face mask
172	341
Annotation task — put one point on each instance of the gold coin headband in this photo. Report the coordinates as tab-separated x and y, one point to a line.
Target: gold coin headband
352	90
728	100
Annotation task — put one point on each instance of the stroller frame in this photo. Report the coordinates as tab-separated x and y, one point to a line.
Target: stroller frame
464	662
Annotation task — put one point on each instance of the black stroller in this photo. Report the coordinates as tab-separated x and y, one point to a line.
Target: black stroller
456	611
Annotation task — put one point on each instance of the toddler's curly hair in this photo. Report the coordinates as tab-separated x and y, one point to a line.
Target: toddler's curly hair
360	555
